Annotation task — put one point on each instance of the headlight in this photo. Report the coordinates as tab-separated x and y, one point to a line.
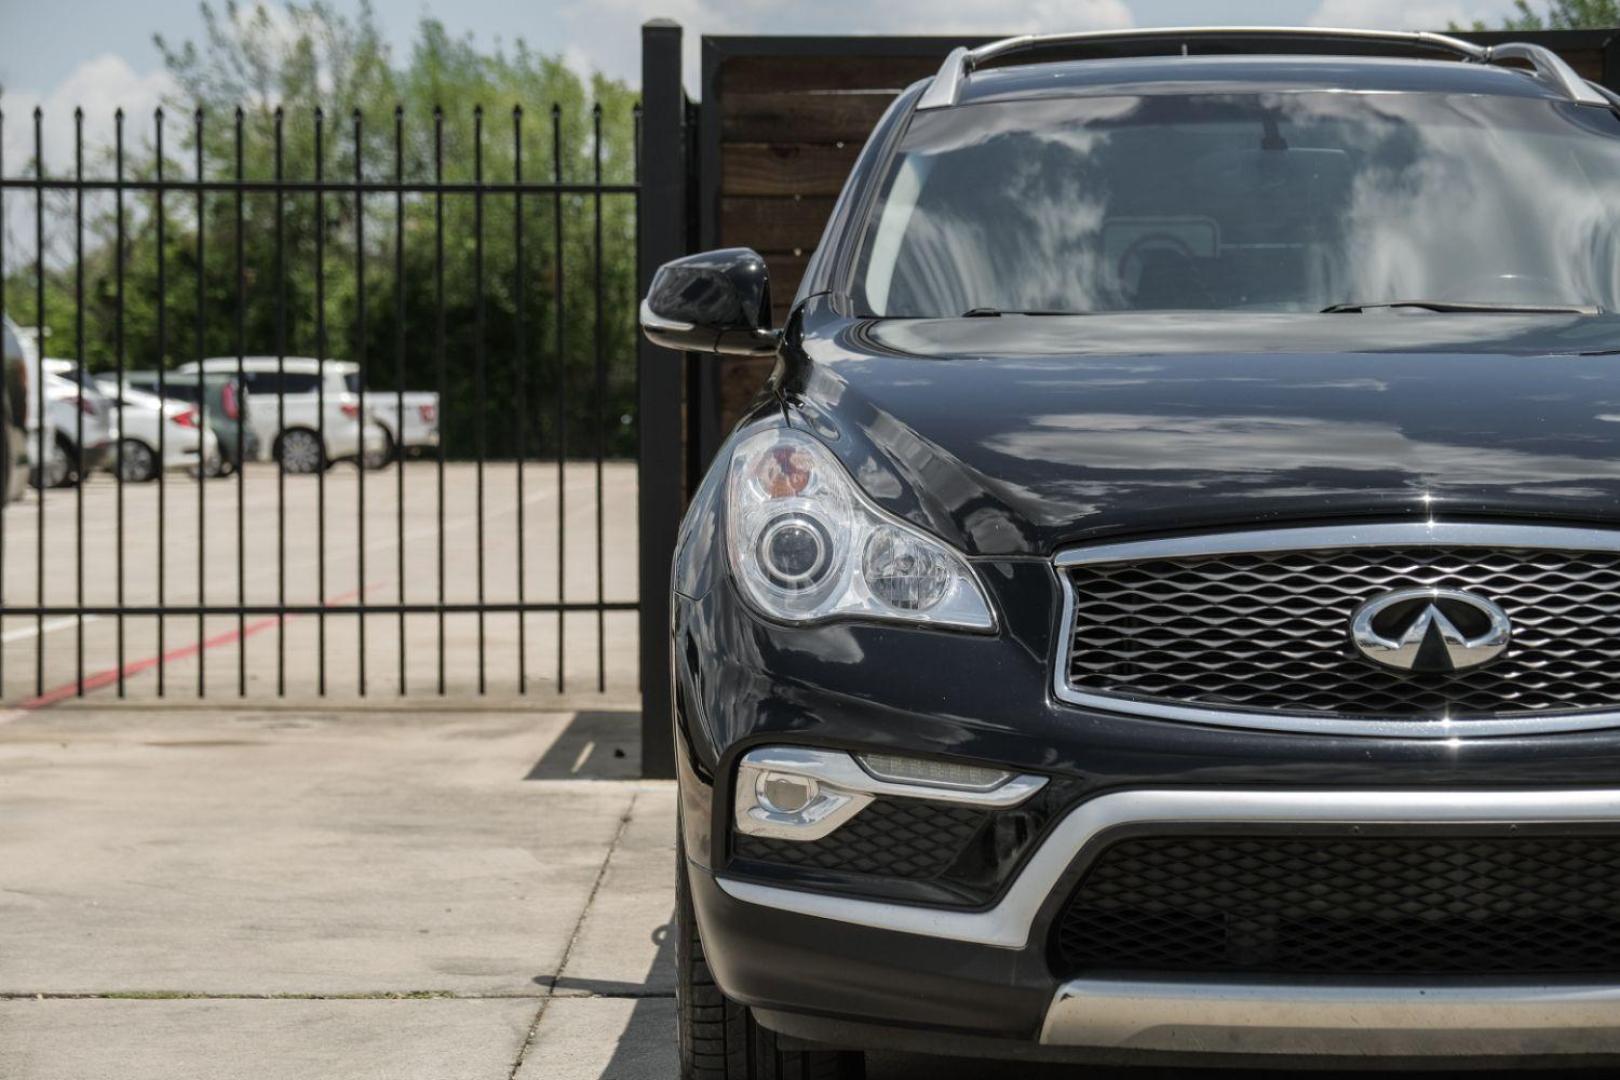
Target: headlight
806	544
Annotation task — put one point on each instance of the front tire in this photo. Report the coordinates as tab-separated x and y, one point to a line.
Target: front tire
299	451
138	462
719	1038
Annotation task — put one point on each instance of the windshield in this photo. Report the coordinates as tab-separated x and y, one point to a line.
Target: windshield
1289	202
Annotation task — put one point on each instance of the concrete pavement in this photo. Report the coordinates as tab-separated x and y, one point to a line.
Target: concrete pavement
302	895
271	894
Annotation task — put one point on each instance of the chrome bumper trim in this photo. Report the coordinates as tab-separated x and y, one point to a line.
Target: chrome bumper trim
1368	1019
1008	924
846	789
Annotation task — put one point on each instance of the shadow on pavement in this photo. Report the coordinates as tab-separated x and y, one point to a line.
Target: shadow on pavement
594	746
649	1023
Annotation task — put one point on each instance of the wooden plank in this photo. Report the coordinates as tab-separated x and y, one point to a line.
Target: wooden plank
809	118
1588	63
767	223
787	270
799	74
785	168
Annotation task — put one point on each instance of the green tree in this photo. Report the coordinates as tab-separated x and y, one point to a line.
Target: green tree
1561	15
311	92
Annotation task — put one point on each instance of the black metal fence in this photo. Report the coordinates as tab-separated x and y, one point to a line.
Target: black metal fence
488	259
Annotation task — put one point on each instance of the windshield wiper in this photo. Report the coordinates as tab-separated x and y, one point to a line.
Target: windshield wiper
993	312
1467	307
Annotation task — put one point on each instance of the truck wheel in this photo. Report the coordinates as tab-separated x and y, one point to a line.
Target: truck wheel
719	1038
380	457
299	451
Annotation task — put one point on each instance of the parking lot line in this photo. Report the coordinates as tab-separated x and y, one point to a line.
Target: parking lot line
109	676
31	630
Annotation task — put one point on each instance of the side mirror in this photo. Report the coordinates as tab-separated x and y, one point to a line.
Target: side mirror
716	302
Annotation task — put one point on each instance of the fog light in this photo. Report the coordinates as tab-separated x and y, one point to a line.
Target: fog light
779	795
800	793
784	793
925	772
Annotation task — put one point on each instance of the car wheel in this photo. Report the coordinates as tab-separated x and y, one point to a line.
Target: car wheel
58	469
382	455
139	463
300	452
719	1038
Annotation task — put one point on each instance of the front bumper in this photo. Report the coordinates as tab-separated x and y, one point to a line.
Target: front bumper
821	962
873	974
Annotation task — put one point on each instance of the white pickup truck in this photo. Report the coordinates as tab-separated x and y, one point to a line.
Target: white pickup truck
413	432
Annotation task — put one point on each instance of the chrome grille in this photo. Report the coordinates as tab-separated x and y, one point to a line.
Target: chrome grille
1267	630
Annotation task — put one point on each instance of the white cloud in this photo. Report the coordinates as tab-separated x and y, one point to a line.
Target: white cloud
99	86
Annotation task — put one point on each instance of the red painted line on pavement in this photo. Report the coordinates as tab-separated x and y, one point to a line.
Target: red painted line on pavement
110	676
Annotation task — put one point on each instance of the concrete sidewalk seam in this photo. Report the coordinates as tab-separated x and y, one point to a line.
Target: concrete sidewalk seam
573	938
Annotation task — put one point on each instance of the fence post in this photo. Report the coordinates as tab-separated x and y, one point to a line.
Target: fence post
661	235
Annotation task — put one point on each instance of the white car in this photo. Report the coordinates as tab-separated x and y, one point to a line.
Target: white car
184	441
299	383
73	409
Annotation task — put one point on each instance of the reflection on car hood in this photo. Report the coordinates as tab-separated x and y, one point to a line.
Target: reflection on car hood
1018	435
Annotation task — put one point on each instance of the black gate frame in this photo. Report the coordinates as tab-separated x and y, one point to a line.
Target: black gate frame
235	186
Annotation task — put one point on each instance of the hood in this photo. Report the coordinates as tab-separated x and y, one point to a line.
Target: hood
1018	435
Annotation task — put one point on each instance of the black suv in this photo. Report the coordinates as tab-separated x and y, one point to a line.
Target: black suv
1166	604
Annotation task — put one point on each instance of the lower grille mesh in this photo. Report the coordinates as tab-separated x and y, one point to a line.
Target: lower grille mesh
900	838
1347	905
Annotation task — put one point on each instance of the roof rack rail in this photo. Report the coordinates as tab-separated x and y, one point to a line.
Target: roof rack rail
1549	67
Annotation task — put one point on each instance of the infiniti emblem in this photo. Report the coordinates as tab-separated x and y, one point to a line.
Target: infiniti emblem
1430	630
